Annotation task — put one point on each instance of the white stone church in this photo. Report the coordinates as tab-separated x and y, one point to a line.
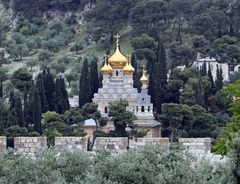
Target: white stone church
118	84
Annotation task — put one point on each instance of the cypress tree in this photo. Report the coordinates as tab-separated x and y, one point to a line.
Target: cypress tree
58	97
25	107
49	89
219	80
93	78
36	111
64	92
210	76
203	70
42	93
137	73
17	111
160	77
1	89
84	87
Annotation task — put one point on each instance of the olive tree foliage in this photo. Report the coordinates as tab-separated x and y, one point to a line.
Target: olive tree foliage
149	165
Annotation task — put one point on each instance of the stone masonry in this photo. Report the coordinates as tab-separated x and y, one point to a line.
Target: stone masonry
70	143
141	142
3	144
196	145
30	145
113	144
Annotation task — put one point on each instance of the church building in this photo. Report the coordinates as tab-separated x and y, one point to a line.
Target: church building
118	84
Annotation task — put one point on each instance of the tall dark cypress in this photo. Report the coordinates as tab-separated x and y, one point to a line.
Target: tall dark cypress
17	111
49	89
37	113
66	105
137	74
25	107
219	79
210	76
160	77
42	93
1	89
84	87
94	78
203	70
58	97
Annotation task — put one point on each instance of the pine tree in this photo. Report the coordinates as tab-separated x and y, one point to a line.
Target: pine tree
160	77
93	78
37	113
84	87
137	73
219	80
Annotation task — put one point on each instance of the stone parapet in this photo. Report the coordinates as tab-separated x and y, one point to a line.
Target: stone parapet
70	143
113	144
30	145
3	144
141	142
196	145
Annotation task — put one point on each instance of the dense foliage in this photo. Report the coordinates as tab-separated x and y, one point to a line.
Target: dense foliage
148	166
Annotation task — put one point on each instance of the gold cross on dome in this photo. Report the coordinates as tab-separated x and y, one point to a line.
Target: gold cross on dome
143	67
117	36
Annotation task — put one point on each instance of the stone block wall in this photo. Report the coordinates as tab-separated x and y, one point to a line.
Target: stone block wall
141	142
3	144
30	145
113	144
196	145
70	143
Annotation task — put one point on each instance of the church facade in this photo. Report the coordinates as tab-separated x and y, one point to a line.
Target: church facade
118	84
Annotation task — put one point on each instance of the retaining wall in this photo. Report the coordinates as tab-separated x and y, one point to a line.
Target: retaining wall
30	145
70	143
196	145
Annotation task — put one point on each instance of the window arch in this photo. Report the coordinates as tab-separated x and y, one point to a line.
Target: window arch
117	73
142	109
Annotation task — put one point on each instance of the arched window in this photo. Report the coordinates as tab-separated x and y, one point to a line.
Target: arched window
149	108
105	110
137	108
142	109
116	73
142	99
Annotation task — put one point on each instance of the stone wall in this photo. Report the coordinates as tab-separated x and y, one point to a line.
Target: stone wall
196	145
70	143
141	142
113	144
3	144
30	145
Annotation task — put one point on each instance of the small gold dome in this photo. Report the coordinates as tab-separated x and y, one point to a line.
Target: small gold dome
144	79
117	60
128	69
106	69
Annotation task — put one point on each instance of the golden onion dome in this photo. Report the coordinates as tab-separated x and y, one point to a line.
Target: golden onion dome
117	60
144	79
128	69
106	69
